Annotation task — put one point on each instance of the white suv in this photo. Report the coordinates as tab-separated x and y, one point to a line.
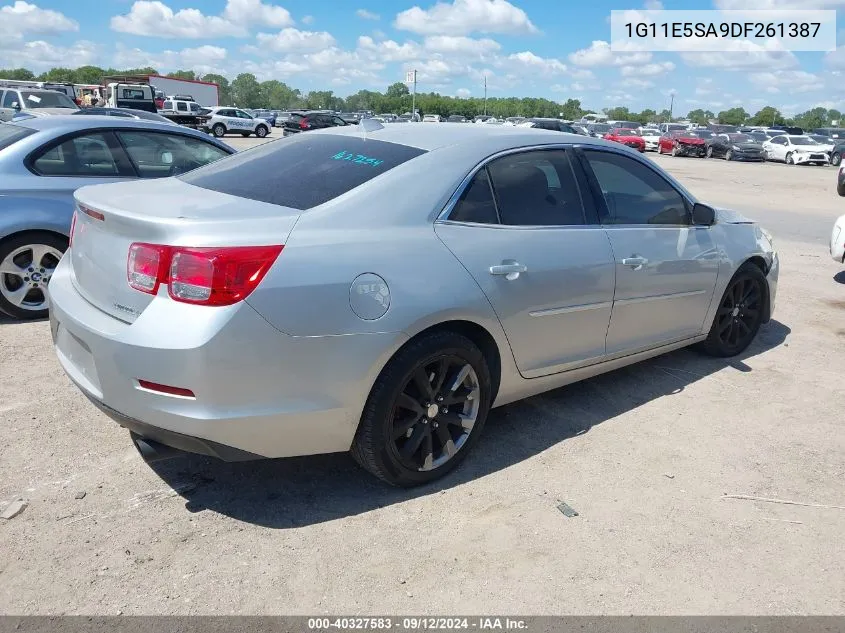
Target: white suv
224	120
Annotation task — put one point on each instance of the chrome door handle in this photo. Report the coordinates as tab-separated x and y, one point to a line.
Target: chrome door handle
635	262
510	270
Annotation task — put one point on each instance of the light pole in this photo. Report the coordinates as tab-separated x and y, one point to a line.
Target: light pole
485	95
671	105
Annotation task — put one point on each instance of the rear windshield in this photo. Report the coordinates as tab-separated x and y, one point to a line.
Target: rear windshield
303	172
11	134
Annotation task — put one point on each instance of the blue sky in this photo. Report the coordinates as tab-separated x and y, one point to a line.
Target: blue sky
541	48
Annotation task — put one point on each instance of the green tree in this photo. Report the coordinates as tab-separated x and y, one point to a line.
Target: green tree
811	119
397	90
618	114
323	100
570	109
835	115
734	116
224	91
277	95
246	92
89	75
18	74
184	74
702	117
767	116
648	116
59	75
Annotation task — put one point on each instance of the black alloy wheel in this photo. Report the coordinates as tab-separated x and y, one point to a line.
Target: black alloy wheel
836	159
425	411
729	155
740	313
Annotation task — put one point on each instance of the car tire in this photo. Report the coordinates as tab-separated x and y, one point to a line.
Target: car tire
729	155
674	151
245	134
739	314
659	150
836	159
14	252
261	131
789	159
710	152
218	130
840	189
394	447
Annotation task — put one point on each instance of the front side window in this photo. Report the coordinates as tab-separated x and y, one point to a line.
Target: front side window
536	188
9	98
242	115
86	155
156	154
181	106
168	105
635	193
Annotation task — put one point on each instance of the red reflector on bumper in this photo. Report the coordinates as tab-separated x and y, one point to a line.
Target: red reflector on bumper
166	389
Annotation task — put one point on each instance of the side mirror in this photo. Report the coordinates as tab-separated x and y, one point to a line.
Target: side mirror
16	105
703	215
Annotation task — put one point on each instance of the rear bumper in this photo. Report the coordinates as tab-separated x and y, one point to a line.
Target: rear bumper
257	391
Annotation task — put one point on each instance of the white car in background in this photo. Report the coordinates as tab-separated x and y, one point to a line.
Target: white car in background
432	118
651	136
795	150
225	120
837	240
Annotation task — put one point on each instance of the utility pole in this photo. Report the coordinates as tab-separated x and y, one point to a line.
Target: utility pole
414	97
485	95
671	106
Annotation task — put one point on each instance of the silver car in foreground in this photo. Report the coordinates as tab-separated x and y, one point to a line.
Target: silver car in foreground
386	288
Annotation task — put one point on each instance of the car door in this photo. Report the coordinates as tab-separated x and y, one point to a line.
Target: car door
666	269
523	232
243	121
777	148
719	144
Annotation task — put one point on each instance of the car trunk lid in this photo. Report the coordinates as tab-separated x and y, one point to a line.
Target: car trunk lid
110	218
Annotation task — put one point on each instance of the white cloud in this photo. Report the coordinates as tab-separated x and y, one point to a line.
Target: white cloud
835	59
462	17
308	19
791	81
156	19
463	93
290	40
744	55
39	55
653	5
642	84
455	44
528	61
648	70
579	86
22	17
388	50
202	59
367	15
599	54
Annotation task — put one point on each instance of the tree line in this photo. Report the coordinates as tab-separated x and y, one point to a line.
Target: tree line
245	91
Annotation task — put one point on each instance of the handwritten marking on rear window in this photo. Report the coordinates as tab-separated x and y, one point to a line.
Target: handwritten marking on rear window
359	159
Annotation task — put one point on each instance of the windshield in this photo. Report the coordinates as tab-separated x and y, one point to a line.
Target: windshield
625	132
11	134
600	128
802	140
47	100
820	139
740	138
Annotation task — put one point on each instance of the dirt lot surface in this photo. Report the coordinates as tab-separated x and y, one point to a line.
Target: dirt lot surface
645	455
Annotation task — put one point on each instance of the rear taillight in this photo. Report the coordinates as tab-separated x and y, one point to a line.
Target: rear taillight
207	276
304	124
146	267
72	229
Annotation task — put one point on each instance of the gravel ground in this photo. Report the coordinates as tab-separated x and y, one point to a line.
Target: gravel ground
645	455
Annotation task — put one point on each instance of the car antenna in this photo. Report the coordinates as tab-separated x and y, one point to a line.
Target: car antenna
369	125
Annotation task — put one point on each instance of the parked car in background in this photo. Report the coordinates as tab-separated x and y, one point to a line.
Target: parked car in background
456	118
514	120
682	143
760	137
307	120
598	130
43	160
432	118
628	137
721	128
735	147
556	125
795	150
127	113
670	127
835	133
837	153
19	102
651	137
267	115
395	370
224	120
788	129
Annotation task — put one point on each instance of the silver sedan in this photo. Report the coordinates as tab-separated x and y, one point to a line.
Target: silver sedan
387	287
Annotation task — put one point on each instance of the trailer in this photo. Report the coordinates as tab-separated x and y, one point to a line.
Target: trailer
203	92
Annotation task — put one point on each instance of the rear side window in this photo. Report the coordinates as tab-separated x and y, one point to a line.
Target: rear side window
11	134
476	204
307	171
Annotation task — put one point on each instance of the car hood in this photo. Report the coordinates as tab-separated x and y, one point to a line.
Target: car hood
692	140
729	216
756	146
